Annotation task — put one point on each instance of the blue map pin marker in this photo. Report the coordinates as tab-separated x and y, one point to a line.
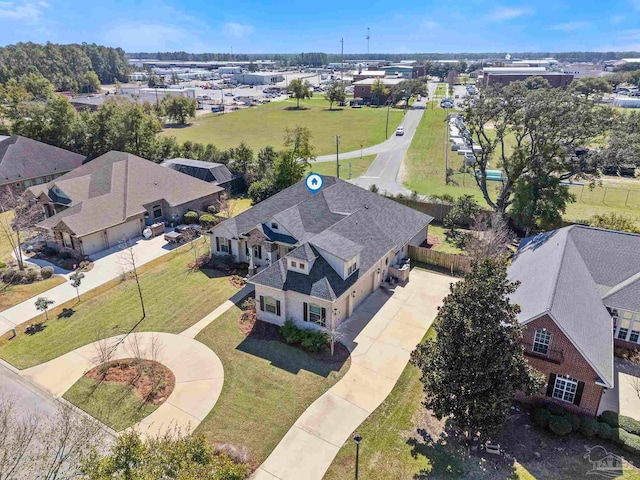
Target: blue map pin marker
314	182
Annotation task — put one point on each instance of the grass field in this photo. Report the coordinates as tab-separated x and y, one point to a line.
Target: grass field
439	231
358	167
175	298
114	404
441	90
11	295
426	169
265	125
5	246
267	386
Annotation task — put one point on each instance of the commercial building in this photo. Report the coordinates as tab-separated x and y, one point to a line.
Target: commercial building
212	65
259	78
138	95
506	75
363	75
404	71
362	88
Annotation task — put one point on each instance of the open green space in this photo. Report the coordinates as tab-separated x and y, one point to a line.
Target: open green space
266	124
426	169
441	90
6	252
175	298
267	386
11	295
114	404
436	230
358	167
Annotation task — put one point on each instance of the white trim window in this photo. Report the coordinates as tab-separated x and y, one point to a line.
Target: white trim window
565	389
225	245
315	313
541	341
271	305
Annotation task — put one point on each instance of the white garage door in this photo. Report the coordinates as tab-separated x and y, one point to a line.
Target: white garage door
129	230
93	243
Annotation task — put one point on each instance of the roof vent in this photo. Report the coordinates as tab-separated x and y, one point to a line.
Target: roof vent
155	183
366	207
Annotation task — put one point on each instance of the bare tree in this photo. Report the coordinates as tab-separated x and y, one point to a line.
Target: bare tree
333	335
18	213
17	432
225	205
130	263
490	237
103	348
191	235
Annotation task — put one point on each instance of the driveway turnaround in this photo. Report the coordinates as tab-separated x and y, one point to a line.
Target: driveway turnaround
107	265
381	334
197	369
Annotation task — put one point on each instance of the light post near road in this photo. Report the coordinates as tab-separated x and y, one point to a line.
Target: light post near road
357	438
337	156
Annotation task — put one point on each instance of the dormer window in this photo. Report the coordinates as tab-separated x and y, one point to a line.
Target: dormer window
352	268
274	225
293	264
301	266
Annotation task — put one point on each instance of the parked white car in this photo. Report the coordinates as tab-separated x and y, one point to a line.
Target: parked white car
400	131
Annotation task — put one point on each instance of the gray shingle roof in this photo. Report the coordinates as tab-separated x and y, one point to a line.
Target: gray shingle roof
571	274
343	219
114	187
303	252
22	158
207	171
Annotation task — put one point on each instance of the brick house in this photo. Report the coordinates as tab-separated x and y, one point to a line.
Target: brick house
579	289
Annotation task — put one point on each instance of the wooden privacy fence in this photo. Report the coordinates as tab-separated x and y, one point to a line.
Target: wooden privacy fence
437	210
454	263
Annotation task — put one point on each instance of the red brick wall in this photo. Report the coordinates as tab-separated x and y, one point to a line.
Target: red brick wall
572	364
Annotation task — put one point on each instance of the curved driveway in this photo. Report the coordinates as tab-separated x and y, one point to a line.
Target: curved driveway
197	369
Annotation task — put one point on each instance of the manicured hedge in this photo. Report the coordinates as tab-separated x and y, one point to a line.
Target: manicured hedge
310	340
190	218
207	220
628	424
589	427
560	425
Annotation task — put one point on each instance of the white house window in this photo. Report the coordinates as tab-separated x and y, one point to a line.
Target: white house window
352	268
625	324
315	314
225	245
293	264
565	389
301	266
270	305
541	341
257	251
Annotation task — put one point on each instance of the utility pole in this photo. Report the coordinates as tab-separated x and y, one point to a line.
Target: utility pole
342	61
337	156
368	38
386	128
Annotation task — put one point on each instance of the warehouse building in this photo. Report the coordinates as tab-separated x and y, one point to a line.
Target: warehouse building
259	78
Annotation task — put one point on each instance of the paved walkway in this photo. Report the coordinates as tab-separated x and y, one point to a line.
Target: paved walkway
197	369
381	335
624	397
108	265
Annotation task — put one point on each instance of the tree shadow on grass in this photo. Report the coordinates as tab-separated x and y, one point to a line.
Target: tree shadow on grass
298	109
66	313
333	109
35	328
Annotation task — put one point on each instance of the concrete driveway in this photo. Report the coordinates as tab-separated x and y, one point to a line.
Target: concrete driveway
624	397
107	265
197	369
381	335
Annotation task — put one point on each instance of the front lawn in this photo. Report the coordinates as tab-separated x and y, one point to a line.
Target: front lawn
6	252
267	386
11	295
266	124
175	298
358	167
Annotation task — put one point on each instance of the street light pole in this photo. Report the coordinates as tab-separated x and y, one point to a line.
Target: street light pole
386	128
337	157
357	438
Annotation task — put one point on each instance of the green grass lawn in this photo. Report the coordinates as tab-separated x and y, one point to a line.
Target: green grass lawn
426	168
6	253
445	246
114	404
441	90
11	295
267	386
358	167
266	124
175	298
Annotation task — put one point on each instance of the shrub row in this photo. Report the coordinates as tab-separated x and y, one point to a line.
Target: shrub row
310	340
29	275
610	426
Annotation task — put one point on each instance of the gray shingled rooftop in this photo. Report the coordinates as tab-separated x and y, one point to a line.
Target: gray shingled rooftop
571	274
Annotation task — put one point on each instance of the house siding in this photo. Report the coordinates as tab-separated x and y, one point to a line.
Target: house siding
572	364
291	307
174	213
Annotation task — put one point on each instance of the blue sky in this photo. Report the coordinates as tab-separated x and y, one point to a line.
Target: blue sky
291	27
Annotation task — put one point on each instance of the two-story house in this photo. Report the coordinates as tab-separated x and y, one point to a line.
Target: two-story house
318	256
579	290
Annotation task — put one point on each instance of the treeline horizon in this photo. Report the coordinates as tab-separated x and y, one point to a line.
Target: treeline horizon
321	58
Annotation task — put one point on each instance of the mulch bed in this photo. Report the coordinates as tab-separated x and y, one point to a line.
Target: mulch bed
237	281
256	329
431	242
152	382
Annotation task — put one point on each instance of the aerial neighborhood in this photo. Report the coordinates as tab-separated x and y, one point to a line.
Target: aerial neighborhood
296	266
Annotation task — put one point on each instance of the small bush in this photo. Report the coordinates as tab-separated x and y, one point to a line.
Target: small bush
6	274
223	262
207	220
212	209
46	272
50	251
190	218
589	427
606	432
555	409
32	275
2	264
560	425
541	417
629	441
18	277
610	418
575	422
629	424
311	340
290	333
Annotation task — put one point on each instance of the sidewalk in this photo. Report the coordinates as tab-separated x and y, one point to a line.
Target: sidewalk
107	266
381	335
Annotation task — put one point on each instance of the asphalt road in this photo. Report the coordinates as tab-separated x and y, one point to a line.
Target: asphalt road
30	398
